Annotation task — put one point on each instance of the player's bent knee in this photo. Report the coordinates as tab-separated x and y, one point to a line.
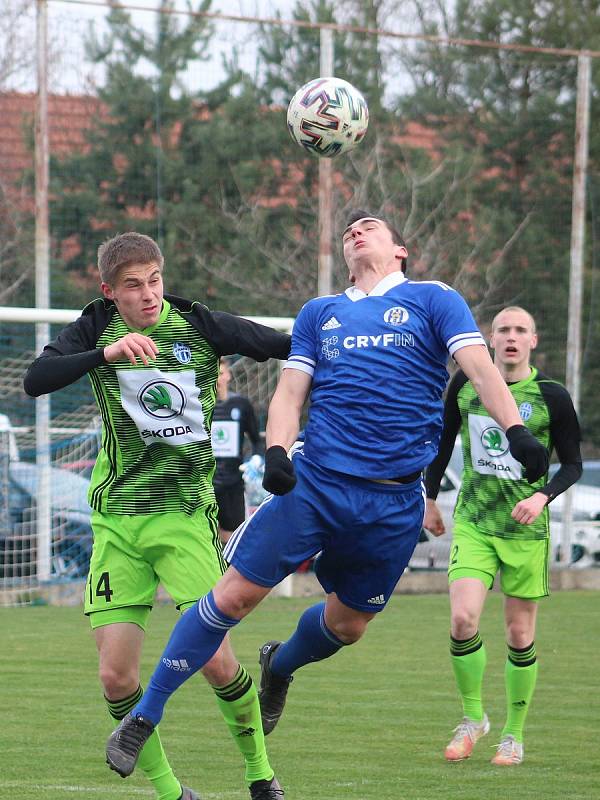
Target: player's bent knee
349	631
236	596
118	684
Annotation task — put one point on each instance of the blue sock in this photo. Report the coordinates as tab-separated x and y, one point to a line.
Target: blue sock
194	640
311	641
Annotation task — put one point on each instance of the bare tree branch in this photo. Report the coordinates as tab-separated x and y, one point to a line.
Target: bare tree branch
16	257
17	30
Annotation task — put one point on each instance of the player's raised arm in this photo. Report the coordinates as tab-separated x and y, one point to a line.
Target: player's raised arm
68	357
479	368
283	425
283	422
495	395
231	334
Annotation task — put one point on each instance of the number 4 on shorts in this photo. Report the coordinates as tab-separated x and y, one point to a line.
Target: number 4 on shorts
102	587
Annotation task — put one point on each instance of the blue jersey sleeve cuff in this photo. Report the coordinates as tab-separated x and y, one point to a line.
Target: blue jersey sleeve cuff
300	363
464	340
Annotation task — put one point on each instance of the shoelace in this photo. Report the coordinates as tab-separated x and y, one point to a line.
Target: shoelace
268	794
507	748
133	734
463	729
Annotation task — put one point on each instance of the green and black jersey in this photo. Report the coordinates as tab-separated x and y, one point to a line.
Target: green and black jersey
493	482
156	453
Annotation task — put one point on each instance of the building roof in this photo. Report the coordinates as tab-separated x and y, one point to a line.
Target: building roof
69	116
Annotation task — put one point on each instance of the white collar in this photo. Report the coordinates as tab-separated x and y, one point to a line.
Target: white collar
385	284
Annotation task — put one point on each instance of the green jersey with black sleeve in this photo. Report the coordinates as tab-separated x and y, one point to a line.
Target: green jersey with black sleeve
156	453
493	482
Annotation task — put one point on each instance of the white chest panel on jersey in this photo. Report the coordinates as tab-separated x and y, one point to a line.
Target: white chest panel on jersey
489	449
165	406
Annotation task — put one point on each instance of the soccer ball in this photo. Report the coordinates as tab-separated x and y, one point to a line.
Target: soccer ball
327	116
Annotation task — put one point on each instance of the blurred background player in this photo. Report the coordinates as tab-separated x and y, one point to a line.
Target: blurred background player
501	524
233	420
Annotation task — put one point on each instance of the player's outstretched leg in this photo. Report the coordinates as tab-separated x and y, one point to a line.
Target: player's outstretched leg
195	638
273	688
311	641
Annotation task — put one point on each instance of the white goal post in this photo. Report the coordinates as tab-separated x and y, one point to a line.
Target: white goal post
62	316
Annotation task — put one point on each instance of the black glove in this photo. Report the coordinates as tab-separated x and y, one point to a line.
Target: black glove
279	477
532	454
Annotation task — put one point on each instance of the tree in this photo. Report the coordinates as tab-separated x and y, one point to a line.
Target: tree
512	114
125	177
469	151
16	247
17	58
199	173
17	63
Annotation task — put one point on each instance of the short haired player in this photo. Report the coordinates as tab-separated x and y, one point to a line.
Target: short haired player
501	526
153	361
373	362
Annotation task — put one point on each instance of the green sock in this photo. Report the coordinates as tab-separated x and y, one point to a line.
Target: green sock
520	676
239	705
468	662
152	761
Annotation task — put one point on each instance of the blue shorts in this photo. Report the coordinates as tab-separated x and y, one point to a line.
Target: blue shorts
365	533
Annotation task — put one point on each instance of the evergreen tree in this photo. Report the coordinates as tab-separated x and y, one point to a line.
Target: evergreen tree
124	179
469	152
512	115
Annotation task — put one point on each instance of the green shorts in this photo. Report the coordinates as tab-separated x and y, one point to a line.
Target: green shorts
133	553
523	563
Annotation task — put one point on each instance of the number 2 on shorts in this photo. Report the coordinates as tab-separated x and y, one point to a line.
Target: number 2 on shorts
454	554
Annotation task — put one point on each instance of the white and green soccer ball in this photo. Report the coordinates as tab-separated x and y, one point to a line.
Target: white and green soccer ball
328	116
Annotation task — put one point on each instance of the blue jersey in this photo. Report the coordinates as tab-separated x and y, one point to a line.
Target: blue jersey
378	364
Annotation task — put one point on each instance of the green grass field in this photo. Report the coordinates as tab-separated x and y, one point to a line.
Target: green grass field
369	724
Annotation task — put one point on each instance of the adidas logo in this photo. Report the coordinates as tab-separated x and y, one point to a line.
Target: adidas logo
179	665
247	732
377	601
519	703
331	324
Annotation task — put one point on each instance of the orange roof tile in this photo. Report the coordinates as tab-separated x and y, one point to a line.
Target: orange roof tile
69	116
